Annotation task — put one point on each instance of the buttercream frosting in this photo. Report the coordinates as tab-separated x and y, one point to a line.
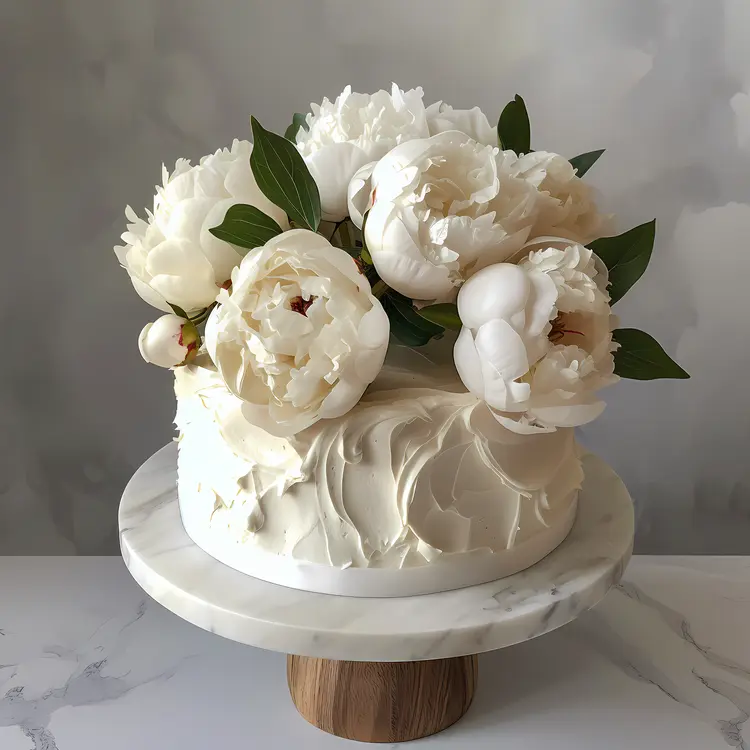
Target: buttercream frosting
418	481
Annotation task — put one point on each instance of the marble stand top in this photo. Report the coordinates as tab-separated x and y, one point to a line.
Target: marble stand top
190	583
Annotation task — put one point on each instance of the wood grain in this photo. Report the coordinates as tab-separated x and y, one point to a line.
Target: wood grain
382	701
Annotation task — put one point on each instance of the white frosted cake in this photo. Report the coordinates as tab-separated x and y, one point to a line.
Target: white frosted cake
416	489
384	326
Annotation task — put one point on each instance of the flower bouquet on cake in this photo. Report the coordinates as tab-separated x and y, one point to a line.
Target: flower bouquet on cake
384	326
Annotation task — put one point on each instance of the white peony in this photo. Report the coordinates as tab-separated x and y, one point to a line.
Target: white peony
443	208
346	134
567	207
173	257
167	341
441	117
536	342
300	336
473	122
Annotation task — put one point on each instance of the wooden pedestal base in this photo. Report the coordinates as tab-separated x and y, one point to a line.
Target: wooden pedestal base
382	701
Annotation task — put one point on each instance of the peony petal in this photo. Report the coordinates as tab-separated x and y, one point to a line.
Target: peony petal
342	398
442	117
467	362
503	356
398	259
359	194
541	304
498	291
373	334
332	167
189	292
150	295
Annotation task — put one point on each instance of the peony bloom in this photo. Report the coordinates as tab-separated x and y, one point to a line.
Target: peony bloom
567	208
173	257
443	208
536	342
442	117
346	134
167	341
300	336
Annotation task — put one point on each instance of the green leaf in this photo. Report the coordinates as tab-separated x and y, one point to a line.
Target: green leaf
406	325
246	226
283	177
513	127
178	311
583	162
298	121
444	314
640	357
626	256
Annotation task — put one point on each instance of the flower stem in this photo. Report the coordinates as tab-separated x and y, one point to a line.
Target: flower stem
336	228
346	238
379	288
203	315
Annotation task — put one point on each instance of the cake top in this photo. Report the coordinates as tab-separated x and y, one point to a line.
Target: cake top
377	224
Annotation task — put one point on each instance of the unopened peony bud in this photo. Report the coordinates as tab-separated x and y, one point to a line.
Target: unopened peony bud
168	341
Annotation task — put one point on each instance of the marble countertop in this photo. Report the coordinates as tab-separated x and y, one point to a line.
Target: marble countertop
88	661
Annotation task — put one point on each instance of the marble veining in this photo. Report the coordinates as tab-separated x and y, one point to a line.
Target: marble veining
87	661
186	580
684	669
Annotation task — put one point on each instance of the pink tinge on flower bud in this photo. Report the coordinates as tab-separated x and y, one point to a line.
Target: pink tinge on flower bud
168	341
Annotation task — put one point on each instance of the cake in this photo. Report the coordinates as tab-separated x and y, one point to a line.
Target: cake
384	328
416	489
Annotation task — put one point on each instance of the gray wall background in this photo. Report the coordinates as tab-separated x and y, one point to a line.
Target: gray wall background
95	94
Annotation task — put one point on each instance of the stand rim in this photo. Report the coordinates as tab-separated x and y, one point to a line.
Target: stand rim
189	582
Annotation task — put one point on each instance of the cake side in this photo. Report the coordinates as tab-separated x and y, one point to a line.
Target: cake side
418	474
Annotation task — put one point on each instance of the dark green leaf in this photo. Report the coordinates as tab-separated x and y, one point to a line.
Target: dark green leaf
283	177
406	325
298	121
444	314
178	311
626	256
583	162
246	226
640	357
513	127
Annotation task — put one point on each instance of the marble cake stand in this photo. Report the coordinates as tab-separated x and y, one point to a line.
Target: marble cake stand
378	670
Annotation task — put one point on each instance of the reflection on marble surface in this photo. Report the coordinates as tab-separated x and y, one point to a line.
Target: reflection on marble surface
87	661
97	94
185	579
